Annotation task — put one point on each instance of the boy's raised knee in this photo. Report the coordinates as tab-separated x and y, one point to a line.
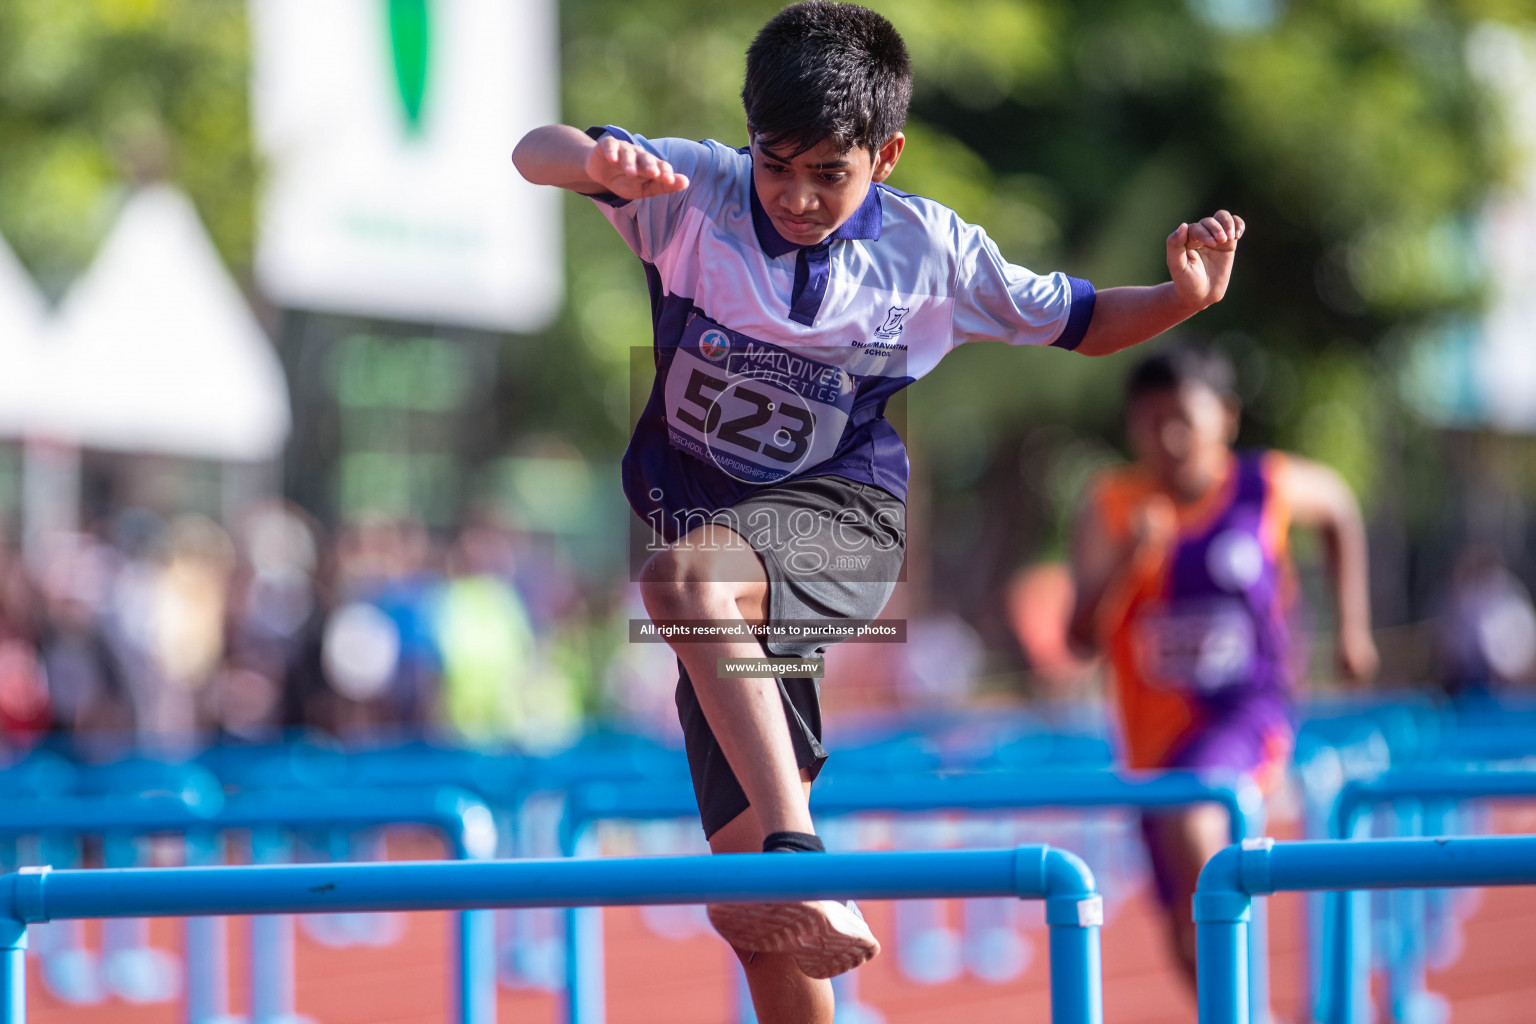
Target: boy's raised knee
690	582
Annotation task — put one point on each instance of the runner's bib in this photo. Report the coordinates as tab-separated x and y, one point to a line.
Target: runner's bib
758	412
1200	647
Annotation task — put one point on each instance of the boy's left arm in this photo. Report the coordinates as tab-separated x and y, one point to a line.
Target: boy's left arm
1319	498
1200	259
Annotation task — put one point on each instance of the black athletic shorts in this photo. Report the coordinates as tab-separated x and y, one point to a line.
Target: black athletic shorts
833	550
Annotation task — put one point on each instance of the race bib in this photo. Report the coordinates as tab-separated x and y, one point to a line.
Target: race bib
756	411
1199	649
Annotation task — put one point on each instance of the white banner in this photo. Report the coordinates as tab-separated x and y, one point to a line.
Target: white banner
388	128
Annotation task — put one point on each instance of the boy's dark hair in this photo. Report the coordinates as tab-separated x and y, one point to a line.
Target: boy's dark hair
822	70
1171	369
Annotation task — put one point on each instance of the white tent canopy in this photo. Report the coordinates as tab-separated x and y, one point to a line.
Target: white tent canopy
155	349
22	314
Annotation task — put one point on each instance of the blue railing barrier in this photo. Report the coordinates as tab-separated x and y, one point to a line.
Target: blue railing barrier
585	1000
464	823
1259	867
499	775
1074	910
1410	791
1417	730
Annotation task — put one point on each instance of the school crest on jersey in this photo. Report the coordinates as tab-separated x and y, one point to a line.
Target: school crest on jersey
895	320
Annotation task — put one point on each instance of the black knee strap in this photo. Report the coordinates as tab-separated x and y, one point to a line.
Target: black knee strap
793	842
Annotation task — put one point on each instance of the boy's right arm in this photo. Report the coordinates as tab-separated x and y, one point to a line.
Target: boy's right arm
567	157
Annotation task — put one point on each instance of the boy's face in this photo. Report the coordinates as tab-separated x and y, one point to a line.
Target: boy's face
1182	436
807	197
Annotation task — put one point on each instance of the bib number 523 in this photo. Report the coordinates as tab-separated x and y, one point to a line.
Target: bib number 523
788	443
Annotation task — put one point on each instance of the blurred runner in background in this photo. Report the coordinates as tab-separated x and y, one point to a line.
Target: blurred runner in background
1183	581
1487	629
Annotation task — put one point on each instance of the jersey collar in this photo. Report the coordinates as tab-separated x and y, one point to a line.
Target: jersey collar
865	224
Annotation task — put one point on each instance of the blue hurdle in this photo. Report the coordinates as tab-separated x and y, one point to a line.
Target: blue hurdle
130	967
464	822
1074	910
504	778
1348	994
1260	867
841	795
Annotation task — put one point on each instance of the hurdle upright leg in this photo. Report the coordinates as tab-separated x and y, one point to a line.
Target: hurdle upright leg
1074	913
1077	996
585	986
13	972
1221	952
207	946
1349	979
272	946
475	967
586	996
131	967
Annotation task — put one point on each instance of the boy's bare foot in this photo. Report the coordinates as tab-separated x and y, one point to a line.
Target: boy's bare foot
824	937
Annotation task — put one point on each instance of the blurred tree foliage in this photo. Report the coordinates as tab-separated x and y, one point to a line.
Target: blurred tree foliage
97	94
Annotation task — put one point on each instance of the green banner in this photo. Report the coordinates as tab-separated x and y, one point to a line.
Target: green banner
410	38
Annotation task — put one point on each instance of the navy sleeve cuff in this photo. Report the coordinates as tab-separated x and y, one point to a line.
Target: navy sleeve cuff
597	132
1078	315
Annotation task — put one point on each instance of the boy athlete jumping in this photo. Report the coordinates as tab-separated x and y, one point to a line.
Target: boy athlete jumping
792	295
1182	572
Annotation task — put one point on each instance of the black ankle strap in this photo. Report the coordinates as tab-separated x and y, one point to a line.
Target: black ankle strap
793	842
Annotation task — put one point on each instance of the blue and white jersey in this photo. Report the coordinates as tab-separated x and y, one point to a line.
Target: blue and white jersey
775	360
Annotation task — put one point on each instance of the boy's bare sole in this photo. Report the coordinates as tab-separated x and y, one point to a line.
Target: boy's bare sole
824	937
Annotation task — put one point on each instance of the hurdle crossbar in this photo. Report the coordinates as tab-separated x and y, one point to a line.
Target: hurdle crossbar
1074	910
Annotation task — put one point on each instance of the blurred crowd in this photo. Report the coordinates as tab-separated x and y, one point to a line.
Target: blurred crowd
168	632
163	631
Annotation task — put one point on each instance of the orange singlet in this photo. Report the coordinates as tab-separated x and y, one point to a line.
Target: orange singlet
1195	629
